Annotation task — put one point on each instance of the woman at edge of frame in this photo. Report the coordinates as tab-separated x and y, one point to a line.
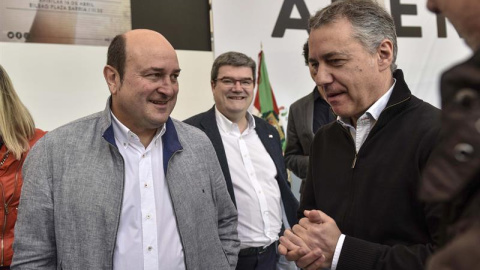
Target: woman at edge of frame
17	135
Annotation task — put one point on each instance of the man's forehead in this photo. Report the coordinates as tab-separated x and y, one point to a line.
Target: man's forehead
154	56
243	70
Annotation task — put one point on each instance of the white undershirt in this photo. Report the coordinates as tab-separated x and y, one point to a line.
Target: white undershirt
256	189
147	235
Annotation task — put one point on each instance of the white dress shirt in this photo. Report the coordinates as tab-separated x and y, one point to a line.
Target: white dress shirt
359	134
147	236
256	189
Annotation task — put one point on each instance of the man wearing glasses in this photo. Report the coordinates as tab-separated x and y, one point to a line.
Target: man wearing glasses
250	155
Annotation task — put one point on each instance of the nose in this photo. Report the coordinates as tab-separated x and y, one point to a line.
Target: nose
322	76
237	85
167	87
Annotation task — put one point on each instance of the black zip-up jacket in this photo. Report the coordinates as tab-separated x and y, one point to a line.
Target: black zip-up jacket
372	195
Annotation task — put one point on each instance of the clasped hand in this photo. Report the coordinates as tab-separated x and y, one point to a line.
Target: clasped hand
311	243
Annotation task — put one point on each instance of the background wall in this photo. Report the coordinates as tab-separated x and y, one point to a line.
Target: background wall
60	83
427	44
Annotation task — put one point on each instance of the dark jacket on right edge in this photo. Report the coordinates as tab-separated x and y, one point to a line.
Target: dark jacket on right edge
453	174
372	195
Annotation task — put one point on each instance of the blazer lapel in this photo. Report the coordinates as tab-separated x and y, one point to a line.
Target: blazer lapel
269	143
308	114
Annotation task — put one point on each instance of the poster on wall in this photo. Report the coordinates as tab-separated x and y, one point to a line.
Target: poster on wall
428	44
85	22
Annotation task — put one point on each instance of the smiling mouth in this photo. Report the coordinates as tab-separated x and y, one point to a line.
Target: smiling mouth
236	98
159	102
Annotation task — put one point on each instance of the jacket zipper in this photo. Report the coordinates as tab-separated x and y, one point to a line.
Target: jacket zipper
354	162
5	214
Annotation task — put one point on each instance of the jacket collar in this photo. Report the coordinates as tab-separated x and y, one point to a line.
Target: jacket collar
401	92
171	142
397	102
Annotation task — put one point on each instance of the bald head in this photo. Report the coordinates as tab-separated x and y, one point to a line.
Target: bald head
143	83
126	45
140	37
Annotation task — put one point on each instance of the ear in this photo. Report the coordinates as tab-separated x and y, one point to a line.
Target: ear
112	77
385	54
213	84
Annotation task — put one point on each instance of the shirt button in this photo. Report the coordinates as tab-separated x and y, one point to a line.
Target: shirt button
148	216
143	155
149	248
145	185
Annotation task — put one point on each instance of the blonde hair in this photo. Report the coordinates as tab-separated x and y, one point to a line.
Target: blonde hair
16	123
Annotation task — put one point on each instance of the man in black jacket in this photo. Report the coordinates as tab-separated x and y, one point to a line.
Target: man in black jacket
365	167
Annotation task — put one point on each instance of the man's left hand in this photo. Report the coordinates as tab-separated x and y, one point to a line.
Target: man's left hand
319	232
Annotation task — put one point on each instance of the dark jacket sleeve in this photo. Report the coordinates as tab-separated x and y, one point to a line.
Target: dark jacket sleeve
307	200
358	254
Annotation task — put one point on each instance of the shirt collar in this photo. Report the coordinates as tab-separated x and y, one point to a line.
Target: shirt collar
228	126
125	136
375	110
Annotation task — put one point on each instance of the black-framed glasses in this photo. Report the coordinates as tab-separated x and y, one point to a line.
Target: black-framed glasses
227	81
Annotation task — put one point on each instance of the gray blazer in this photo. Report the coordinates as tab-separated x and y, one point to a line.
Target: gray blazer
72	198
299	135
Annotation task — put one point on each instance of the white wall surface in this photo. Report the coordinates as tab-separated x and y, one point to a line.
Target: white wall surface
422	59
60	83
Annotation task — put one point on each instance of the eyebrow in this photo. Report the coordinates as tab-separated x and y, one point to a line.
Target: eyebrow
243	78
329	55
160	70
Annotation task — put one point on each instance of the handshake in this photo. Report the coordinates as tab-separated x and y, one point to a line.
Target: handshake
312	242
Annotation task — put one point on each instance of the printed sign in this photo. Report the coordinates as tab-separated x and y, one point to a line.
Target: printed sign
87	22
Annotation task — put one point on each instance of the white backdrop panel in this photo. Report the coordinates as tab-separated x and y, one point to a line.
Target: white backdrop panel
244	25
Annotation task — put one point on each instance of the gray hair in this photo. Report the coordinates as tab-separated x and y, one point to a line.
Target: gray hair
371	23
235	59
